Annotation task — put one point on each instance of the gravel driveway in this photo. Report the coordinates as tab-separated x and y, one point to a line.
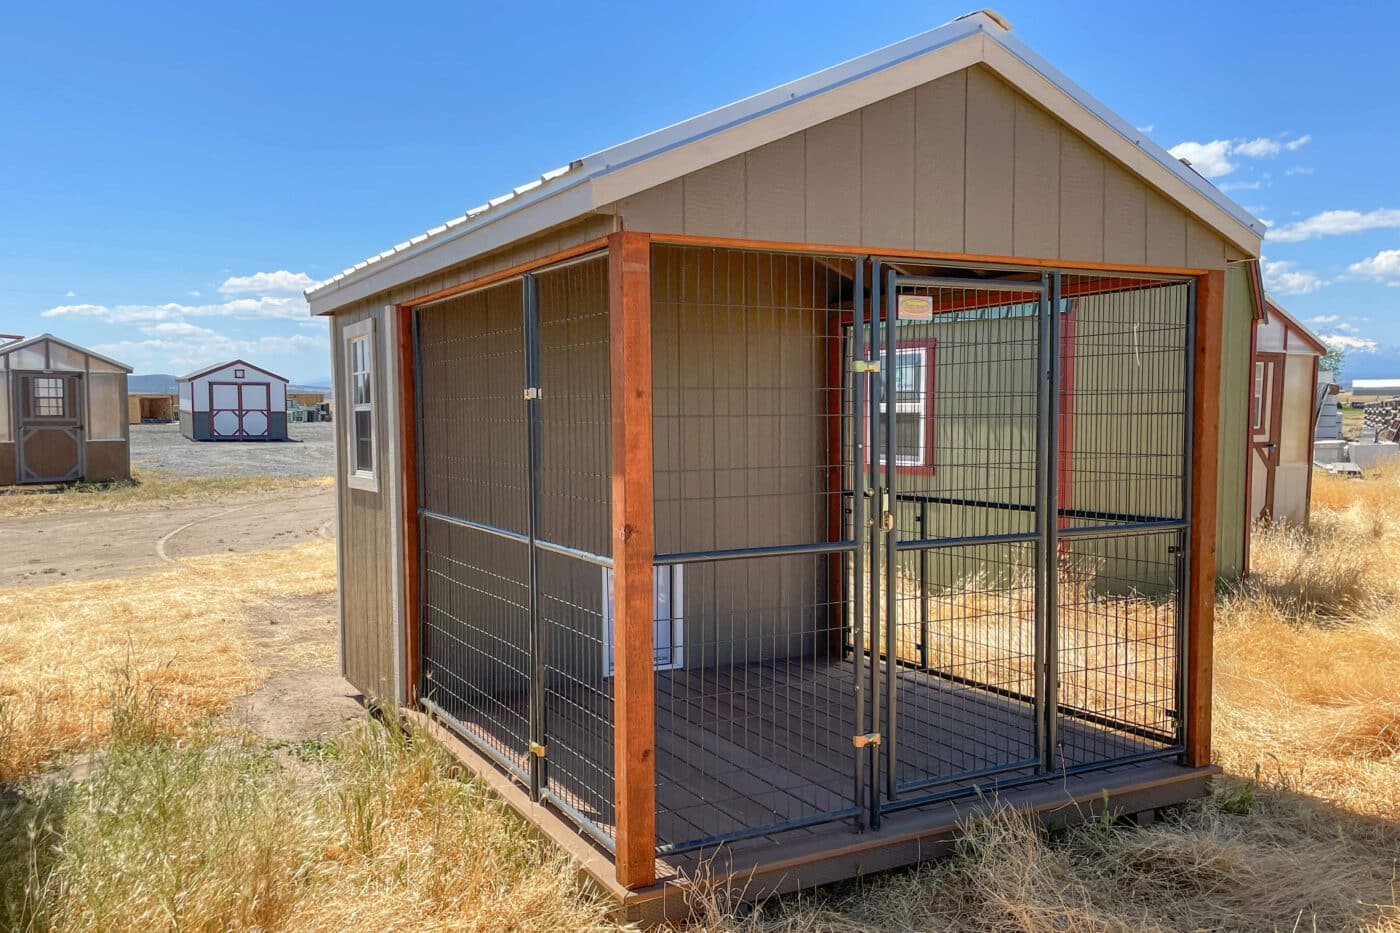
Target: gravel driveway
309	453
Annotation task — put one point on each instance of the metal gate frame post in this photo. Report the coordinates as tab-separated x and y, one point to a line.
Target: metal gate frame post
889	519
876	516
530	309
1048	464
859	367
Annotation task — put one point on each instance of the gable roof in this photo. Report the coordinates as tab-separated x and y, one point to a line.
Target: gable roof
1293	324
224	365
6	348
628	168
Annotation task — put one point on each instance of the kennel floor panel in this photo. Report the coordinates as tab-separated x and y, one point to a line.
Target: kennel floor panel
746	746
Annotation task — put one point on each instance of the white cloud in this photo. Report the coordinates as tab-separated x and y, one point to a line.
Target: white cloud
70	294
1240	186
262	307
1211	159
281	282
1334	223
1324	319
1299	170
186	352
1383	266
192	294
1147	129
1349	328
1258	148
1346	342
1281	277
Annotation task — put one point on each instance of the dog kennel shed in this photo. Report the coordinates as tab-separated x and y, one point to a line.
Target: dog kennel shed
233	401
62	414
769	489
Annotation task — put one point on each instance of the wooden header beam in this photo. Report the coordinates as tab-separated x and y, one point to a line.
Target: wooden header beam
1205	440
634	545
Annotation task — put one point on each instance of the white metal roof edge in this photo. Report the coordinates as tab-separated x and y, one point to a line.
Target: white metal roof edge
225	365
6	348
1129	132
698	127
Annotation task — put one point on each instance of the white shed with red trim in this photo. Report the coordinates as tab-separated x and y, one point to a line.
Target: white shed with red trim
233	401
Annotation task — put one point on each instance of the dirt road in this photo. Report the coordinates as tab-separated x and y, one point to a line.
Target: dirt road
42	549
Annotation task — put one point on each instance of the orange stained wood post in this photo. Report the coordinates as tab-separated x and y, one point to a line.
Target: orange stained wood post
408	483
1210	320
634	544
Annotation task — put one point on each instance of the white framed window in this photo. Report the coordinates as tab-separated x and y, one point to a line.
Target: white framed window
47	397
913	391
239	373
361	360
668	615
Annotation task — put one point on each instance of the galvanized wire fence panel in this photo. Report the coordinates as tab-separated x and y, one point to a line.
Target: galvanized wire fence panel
515	446
753	702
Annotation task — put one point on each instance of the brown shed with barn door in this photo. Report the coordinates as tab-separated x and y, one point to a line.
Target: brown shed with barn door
63	414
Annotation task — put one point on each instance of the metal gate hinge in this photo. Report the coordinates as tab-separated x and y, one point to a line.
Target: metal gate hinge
533	393
537	749
865	366
869	738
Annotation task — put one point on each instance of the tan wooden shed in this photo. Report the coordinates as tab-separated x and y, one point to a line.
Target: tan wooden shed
762	492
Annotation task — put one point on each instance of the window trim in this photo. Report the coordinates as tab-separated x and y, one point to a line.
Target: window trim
927	347
64	408
674	586
367	480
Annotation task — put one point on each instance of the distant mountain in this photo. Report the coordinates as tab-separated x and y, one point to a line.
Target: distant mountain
164	383
1382	364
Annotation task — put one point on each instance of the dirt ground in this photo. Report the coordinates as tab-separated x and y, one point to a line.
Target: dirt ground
309	452
89	545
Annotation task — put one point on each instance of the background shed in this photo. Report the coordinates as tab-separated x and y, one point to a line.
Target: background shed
151	407
1283	412
63	413
233	401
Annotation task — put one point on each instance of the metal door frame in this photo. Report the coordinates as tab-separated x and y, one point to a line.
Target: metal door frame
73	424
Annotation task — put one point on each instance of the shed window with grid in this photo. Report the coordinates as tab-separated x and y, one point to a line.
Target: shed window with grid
913	403
360	364
47	399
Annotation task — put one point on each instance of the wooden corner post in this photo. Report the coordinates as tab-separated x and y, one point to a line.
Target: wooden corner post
1205	467
633	543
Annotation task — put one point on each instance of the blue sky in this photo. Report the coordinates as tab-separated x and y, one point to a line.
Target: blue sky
171	176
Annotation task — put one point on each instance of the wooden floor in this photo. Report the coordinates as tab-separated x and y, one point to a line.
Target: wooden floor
749	749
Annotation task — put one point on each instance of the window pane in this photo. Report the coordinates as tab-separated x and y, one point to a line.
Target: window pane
364	449
47	395
361	389
907	446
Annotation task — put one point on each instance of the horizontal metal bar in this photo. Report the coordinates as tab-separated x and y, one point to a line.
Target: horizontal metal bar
933	544
475	526
672	848
590	828
985	285
934	781
995	786
466	734
781	550
1131	528
577	554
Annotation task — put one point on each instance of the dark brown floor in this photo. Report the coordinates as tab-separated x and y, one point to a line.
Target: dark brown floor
756	746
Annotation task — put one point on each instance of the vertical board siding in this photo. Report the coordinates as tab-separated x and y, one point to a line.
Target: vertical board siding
887	160
1232	519
940	143
1036	202
991	157
963	164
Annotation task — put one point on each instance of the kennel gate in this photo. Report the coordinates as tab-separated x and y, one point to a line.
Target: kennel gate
986	589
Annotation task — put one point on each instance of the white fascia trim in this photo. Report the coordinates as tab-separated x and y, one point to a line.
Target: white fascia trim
516	220
1072	105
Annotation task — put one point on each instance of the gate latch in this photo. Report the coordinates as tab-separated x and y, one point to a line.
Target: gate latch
869	738
533	393
537	749
887	521
865	366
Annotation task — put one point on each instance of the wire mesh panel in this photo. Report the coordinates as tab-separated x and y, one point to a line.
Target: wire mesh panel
1121	495
753	693
476	663
574	518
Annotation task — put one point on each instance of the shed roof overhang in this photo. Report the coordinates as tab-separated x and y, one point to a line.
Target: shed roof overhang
629	168
190	377
1293	325
9	348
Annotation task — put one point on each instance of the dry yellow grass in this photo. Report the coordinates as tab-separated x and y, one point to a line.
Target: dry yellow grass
145	488
69	653
200	834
